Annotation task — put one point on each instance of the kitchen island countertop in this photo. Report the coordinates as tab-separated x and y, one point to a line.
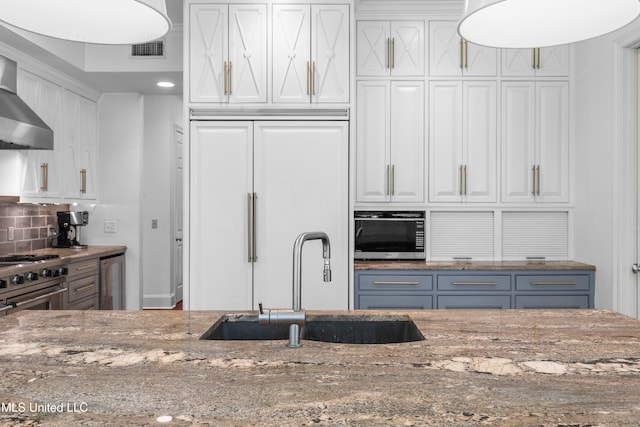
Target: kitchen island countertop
479	367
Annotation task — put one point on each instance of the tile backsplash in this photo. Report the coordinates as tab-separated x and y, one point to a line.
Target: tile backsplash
30	223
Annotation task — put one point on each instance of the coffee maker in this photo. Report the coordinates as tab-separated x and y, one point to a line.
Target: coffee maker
69	224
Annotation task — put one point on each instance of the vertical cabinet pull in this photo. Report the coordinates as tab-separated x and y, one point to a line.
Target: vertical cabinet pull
393	53
83	178
535	174
252	255
386	181
255	234
313	78
462	183
224	76
390	180
464	174
535	63
249	227
393	180
45	176
230	75
464	54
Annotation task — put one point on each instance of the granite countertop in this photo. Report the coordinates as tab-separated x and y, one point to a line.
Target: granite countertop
65	254
484	367
471	265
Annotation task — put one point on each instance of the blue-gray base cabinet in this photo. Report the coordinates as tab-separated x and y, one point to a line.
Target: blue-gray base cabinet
447	289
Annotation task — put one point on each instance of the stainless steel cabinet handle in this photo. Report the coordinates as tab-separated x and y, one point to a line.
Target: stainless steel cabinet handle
230	81
83	177
84	288
393	180
537	53
396	283
224	76
466	54
393	53
461	53
474	283
533	180
386	181
464	175
554	283
313	78
308	78
45	176
255	250
533	59
460	180
249	226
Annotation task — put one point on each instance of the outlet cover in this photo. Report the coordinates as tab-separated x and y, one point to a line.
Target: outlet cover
109	226
154	223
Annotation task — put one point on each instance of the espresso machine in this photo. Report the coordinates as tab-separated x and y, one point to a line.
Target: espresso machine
69	225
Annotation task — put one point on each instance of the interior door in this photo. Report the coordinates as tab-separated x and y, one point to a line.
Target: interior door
301	171
178	198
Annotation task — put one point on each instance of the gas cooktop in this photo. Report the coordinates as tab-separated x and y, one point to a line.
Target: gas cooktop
19	258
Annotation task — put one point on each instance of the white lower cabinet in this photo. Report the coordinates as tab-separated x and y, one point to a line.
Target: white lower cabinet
255	186
462	141
390	148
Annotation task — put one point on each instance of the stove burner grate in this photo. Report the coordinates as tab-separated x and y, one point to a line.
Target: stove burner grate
25	258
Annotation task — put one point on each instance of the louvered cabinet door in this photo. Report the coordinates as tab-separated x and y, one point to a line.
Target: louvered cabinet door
208	34
291	53
247	72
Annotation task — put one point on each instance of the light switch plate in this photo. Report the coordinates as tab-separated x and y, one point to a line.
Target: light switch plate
10	233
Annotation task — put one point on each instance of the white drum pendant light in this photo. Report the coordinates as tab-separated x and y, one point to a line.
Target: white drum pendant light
540	23
90	21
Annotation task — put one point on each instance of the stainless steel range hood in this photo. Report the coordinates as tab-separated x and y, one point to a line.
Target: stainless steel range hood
20	127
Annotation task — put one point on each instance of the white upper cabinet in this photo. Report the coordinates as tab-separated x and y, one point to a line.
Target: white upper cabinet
80	150
228	53
390	48
449	55
390	141
42	176
310	53
462	141
535	142
537	62
70	170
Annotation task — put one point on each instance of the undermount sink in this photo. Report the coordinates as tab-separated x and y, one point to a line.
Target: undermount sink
345	329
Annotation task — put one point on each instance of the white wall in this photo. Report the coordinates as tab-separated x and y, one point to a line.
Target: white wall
161	114
605	165
120	153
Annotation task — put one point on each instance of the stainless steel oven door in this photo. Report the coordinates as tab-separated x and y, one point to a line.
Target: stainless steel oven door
52	296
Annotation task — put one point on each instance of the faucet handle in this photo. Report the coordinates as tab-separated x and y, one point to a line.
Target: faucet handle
260	310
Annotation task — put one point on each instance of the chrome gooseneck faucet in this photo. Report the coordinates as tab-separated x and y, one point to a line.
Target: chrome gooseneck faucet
297	263
296	317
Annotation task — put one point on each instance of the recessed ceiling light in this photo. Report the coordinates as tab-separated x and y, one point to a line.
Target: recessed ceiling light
540	23
166	84
97	21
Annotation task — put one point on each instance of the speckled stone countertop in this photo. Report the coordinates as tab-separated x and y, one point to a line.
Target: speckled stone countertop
472	265
475	368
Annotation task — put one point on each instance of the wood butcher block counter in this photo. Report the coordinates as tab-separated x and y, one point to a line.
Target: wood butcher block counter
475	368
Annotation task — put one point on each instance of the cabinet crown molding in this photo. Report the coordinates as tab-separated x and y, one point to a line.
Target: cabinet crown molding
431	7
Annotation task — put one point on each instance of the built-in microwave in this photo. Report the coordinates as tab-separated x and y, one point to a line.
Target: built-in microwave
389	235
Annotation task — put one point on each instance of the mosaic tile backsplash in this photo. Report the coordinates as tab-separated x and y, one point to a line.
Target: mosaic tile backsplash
30	225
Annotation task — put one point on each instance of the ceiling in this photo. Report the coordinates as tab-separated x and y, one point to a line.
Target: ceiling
141	82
